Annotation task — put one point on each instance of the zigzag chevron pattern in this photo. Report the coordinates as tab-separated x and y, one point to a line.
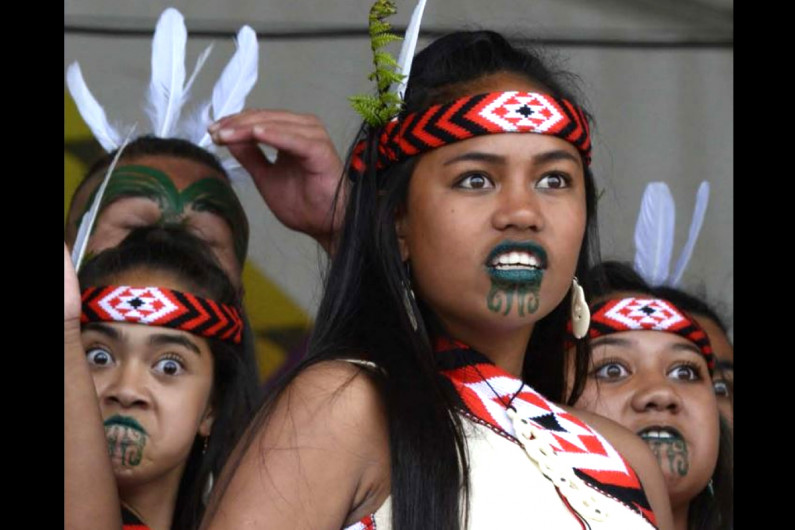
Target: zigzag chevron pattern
485	389
470	116
158	306
634	314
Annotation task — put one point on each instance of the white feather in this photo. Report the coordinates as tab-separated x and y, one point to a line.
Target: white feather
406	56
91	111
87	222
654	233
164	97
237	79
699	211
199	63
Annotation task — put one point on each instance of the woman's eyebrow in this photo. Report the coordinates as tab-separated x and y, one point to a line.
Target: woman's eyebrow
611	341
556	155
687	346
476	156
104	329
164	339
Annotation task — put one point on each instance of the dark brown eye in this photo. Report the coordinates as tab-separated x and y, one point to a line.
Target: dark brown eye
475	181
553	181
99	357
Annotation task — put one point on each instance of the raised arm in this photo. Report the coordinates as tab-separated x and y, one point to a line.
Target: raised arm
320	461
91	497
299	186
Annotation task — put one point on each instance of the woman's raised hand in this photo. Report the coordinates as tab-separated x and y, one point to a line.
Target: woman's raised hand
71	291
299	185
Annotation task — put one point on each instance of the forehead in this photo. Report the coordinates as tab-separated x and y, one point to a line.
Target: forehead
181	171
646	345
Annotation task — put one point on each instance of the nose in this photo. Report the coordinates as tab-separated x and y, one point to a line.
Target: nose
657	395
518	208
128	387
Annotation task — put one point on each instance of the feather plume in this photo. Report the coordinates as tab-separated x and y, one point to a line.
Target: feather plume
90	109
87	222
406	56
237	79
164	97
654	233
199	63
699	211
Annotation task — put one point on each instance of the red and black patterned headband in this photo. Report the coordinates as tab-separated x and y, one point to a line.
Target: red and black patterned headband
470	116
654	314
158	306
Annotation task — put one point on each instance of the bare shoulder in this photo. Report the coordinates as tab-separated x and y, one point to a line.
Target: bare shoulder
320	459
639	456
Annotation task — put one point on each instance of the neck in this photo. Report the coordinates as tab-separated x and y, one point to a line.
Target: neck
154	502
680	514
506	350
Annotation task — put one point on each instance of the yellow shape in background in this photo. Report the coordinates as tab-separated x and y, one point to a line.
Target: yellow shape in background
268	308
74	128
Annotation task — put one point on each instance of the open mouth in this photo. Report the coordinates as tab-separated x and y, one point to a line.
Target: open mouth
660	434
517	262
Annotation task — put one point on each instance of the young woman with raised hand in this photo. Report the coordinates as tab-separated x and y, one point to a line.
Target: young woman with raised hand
652	372
157	385
419	404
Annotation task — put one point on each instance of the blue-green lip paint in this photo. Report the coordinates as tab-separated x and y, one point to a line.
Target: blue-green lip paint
522	275
125	421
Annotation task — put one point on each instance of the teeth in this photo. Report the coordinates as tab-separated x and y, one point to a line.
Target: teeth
515	260
658	434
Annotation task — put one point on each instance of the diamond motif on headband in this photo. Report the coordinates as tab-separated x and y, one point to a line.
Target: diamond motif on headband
131	304
644	313
530	112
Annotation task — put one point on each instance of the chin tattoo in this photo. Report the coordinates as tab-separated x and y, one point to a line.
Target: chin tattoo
502	296
125	443
672	456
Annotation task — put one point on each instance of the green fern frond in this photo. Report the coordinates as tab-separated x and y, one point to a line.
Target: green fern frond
377	110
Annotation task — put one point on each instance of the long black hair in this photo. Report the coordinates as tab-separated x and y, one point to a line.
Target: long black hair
362	313
712	508
173	250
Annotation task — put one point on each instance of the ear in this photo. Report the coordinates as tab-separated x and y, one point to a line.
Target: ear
206	426
401	229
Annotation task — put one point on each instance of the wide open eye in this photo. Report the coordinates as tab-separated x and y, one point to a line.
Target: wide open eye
611	370
553	181
685	372
475	181
169	366
721	388
98	356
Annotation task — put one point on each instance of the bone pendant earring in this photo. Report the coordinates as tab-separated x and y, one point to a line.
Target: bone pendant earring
580	313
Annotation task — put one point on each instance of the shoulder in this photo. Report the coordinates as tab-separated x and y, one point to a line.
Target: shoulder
639	456
318	458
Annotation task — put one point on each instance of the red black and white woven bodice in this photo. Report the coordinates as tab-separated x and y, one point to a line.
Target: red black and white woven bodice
556	472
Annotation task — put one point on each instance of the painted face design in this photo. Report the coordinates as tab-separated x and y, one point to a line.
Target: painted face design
657	384
165	190
126	440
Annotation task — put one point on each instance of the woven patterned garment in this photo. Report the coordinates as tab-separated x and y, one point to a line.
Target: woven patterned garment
508	486
130	521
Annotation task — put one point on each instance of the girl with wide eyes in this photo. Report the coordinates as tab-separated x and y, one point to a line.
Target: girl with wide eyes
155	395
652	370
426	399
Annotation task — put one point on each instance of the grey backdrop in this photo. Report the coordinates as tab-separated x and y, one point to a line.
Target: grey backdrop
657	76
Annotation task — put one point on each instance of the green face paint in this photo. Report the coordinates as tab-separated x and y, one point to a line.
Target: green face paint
672	455
126	439
206	195
502	294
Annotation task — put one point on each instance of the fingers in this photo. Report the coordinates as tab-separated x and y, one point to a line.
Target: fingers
250	157
251	117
